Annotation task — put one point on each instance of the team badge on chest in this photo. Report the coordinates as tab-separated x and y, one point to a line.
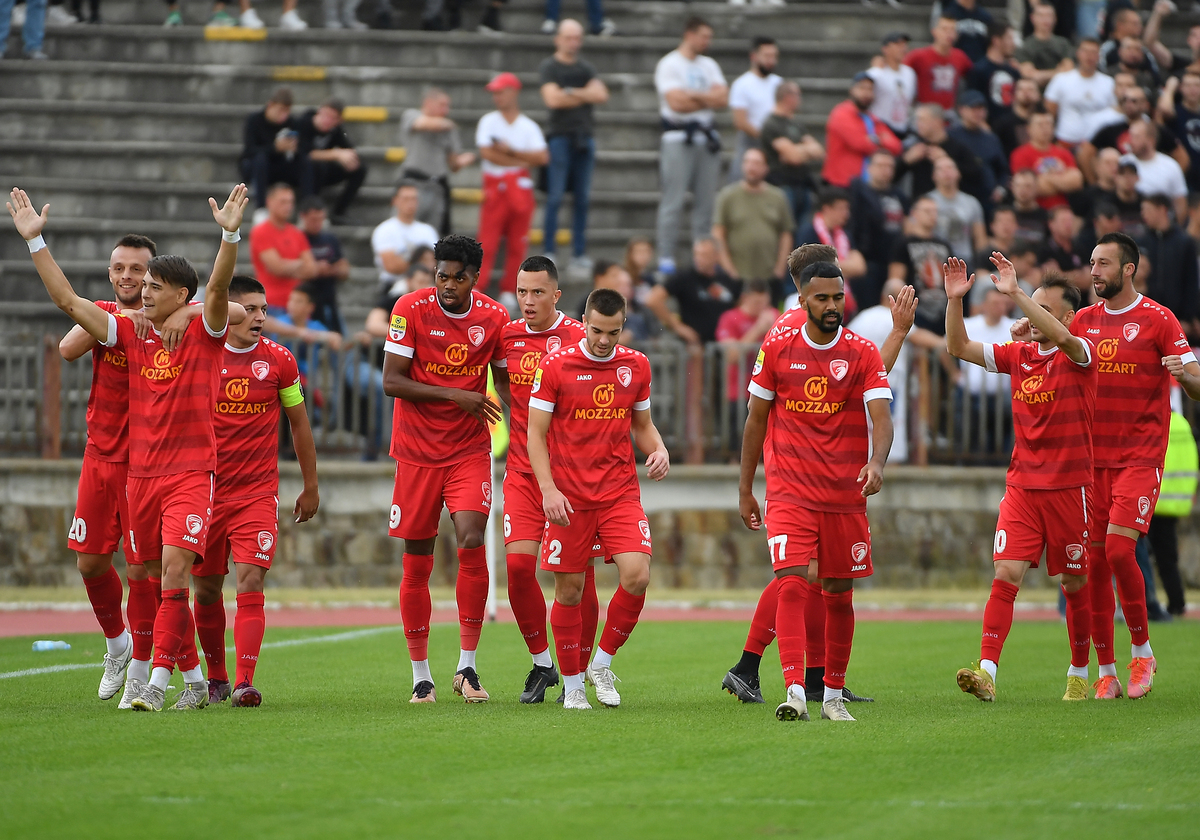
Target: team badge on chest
476	335
624	376
1130	331
260	370
838	368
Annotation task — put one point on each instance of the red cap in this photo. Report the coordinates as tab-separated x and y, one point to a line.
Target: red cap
502	81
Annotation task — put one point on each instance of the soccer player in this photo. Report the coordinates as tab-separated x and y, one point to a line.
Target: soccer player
1045	504
541	331
826	456
585	400
172	448
439	346
259	378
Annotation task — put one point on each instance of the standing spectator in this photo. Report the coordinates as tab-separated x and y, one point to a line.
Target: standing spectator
323	140
1135	107
1002	234
1103	188
917	260
1057	173
995	75
753	225
941	66
1127	28
1012	128
702	293
792	153
509	143
752	98
1112	114
332	267
895	84
690	88
828	227
1128	200
877	214
1062	252
973	132
1043	54
433	151
570	89
931	142
33	27
271	149
1157	173
1074	96
1174	279
279	250
1189	61
1031	216
1179	109
971	24
960	216
598	24
395	240
639	323
1132	58
852	134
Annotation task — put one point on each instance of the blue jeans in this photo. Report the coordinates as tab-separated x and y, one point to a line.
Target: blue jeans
595	13
366	381
567	158
35	24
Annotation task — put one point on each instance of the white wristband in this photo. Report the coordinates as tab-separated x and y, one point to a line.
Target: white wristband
232	235
36	244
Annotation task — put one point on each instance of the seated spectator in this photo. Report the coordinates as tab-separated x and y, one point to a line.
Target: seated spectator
395	239
1103	188
1043	54
1173	280
332	267
1107	219
1012	128
1031	216
973	132
598	24
1128	200
1135	107
639	261
917	260
419	276
931	141
1158	174
433	150
941	66
248	19
343	14
1073	97
1024	258
960	216
994	75
1141	46
279	250
983	398
32	24
828	227
971	23
639	323
296	330
1054	166
895	84
793	154
852	134
1063	253
752	224
702	294
1179	109
271	149
1002	234
877	214
323	139
740	331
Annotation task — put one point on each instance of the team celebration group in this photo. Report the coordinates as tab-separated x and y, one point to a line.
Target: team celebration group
182	465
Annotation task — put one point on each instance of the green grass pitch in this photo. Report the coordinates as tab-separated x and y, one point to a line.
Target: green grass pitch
337	751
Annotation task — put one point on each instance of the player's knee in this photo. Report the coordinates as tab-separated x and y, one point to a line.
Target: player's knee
568	593
93	565
136	571
836	586
1010	573
470	538
635	581
1073	583
208	589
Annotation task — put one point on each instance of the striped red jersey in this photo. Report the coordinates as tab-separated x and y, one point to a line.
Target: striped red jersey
108	401
1054	401
592	401
252	391
817	428
523	350
1133	392
449	351
171	398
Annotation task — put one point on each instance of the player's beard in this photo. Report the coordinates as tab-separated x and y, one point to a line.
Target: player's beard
826	324
131	301
1111	289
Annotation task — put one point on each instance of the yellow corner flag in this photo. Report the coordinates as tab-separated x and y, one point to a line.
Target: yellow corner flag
499	429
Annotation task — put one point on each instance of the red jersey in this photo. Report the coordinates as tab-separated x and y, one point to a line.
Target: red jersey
817	429
255	383
523	351
1133	393
1054	401
592	402
1055	158
171	398
449	351
938	75
108	401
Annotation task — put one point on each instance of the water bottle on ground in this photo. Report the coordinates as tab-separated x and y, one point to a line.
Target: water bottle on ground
43	644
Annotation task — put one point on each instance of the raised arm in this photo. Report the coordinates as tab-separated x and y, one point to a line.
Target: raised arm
957	287
216	295
1051	327
904	310
76	344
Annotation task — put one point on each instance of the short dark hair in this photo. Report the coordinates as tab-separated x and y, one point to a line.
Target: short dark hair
606	302
136	240
242	285
1070	292
310	203
405	182
336	104
281	96
756	287
601	267
1022	247
1158	200
308	288
459	248
1127	249
761	41
538	263
832	195
806	255
1004	208
279	186
1106	209
175	272
820	269
1096	41
418	251
695	22
997	29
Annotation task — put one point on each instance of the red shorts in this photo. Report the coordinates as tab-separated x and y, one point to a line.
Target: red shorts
1056	520
524	518
249	528
839	542
420	493
621	528
101	510
1125	497
170	510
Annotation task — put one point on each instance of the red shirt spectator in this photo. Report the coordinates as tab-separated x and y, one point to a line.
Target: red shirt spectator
1055	167
940	67
852	135
745	324
280	251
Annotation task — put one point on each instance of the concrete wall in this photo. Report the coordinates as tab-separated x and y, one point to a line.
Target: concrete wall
931	527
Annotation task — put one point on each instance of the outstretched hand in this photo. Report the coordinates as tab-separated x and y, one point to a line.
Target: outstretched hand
230	216
904	309
28	222
1006	281
957	282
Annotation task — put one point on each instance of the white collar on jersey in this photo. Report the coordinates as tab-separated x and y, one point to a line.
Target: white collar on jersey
1051	351
449	314
1108	311
557	321
583	349
816	346
241	349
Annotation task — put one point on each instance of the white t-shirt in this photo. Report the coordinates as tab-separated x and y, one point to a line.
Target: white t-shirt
755	95
976	380
674	71
874	324
521	135
1160	174
1078	99
1103	119
399	238
895	91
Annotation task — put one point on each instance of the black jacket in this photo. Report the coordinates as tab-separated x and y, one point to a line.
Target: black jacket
969	167
259	134
1174	276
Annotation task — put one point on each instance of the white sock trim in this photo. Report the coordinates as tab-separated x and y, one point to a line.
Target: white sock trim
573	682
602	659
1078	671
161	678
543	660
193	676
989	666
466	659
139	669
795	691
118	644
1142	651
831	694
421	672
1108	670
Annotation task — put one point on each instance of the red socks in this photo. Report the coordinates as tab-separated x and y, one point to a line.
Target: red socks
814	625
997	620
248	626
470	590
210	627
415	605
762	626
1131	586
623	613
141	610
1104	603
567	625
590	611
789	625
839	636
173	625
1079	626
104	591
527	601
